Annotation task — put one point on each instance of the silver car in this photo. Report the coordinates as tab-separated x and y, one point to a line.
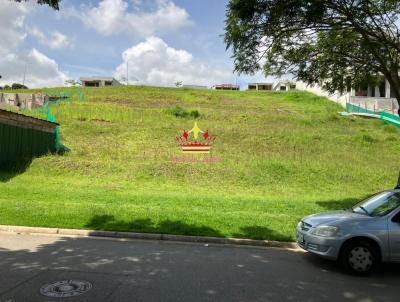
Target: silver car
361	237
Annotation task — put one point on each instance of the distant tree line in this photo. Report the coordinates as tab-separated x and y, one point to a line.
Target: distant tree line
14	86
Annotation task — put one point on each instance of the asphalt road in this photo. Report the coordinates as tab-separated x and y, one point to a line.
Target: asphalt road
160	271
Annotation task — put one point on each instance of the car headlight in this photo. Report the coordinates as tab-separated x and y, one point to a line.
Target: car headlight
325	231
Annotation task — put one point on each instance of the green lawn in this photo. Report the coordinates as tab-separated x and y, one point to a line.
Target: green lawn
283	156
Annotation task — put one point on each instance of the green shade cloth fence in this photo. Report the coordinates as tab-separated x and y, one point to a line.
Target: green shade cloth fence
57	98
385	117
23	138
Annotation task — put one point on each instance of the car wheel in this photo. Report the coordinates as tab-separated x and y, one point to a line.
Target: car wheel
360	258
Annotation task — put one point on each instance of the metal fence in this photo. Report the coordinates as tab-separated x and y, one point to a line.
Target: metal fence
376	104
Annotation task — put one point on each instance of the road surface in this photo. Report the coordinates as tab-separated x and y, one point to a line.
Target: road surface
117	270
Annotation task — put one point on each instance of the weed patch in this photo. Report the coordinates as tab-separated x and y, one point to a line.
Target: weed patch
178	111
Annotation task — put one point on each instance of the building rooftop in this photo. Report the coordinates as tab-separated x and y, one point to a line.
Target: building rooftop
97	78
261	83
285	82
227	85
194	86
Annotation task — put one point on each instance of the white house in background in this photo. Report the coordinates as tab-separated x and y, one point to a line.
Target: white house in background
380	98
226	87
99	81
285	86
194	87
260	86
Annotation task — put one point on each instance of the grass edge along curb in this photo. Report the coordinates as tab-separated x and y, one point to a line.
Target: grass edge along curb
145	236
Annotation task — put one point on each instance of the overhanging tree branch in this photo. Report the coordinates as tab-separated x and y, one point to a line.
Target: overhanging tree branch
350	38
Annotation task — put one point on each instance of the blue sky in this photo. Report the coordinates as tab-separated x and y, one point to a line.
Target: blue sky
163	41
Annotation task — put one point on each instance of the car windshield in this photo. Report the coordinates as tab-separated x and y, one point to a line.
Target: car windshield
380	204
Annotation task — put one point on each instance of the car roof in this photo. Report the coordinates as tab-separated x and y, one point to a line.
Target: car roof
388	191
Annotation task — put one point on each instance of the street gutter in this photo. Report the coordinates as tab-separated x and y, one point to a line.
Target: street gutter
145	236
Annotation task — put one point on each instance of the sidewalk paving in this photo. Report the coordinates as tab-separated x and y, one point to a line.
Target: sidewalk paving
135	270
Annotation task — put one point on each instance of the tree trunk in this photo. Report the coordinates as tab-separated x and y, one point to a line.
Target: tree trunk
394	82
398	183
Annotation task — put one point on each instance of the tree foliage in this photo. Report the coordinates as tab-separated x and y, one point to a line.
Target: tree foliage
335	43
52	3
18	86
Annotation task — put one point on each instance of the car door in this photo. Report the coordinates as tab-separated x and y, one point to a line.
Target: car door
394	236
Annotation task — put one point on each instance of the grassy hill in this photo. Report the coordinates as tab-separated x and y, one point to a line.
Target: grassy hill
283	156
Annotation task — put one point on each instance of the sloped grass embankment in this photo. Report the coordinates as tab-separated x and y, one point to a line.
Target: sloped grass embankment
283	156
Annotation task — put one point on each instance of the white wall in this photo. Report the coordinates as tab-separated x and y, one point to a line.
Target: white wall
336	97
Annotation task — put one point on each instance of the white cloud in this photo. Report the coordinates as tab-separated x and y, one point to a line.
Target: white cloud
114	17
154	62
12	17
136	2
55	40
41	70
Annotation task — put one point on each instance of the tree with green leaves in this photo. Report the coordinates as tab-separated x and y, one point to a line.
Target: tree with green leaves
52	3
18	86
337	44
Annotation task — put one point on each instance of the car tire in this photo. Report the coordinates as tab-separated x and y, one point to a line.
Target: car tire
360	258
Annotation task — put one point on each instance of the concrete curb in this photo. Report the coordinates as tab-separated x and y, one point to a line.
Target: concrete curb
145	236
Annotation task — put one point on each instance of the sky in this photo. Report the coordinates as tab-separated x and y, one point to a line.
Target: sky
159	42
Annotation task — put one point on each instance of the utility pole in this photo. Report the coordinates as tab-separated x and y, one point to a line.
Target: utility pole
26	66
127	72
237	80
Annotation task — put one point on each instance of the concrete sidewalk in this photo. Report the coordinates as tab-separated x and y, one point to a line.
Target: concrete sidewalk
134	270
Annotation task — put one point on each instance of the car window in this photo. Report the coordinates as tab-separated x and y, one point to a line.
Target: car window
380	204
391	203
396	218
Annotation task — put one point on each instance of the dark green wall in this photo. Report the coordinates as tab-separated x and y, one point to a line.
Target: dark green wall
17	143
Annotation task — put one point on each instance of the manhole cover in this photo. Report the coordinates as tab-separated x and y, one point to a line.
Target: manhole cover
65	288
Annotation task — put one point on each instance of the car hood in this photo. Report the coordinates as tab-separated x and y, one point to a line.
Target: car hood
331	217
